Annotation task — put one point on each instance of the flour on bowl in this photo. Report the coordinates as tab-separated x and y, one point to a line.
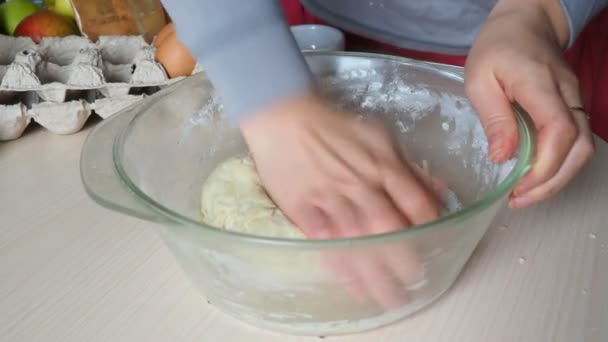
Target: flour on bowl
411	105
208	118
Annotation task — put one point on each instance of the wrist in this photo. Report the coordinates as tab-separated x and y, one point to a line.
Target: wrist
544	17
303	104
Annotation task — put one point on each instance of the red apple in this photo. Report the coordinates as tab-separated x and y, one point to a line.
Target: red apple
46	24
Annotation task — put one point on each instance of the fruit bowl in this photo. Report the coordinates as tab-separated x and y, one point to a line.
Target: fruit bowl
150	161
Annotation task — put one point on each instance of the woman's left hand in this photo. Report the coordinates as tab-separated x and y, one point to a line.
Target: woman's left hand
517	57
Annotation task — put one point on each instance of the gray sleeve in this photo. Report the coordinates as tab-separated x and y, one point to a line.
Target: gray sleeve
579	13
246	48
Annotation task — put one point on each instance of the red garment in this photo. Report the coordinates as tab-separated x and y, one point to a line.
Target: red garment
588	57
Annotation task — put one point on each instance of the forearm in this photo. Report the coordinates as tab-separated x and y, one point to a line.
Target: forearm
246	49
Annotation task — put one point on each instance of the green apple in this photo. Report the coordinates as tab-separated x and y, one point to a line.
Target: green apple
13	11
63	7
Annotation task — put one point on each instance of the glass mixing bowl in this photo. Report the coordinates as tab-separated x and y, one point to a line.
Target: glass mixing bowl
151	159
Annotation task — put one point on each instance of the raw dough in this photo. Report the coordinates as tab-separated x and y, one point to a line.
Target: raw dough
233	198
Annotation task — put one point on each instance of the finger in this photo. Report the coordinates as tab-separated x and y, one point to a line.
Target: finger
344	215
573	96
365	211
496	114
580	154
410	196
374	274
312	220
404	261
571	90
385	151
340	265
316	224
346	222
379	281
380	215
557	130
438	186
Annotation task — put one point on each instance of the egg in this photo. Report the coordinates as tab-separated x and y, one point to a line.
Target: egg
172	54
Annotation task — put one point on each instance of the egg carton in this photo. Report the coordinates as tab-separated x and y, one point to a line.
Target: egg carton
60	82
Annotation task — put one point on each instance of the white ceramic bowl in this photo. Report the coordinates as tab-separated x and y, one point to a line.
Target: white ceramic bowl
318	37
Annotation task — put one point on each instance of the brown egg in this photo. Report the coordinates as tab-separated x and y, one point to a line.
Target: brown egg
172	54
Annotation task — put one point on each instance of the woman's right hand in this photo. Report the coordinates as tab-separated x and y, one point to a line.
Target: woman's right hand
337	176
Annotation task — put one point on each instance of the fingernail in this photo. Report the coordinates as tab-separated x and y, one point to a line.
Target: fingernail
496	147
520	202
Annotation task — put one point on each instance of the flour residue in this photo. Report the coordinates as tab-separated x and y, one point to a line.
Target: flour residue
364	90
208	112
408	104
207	115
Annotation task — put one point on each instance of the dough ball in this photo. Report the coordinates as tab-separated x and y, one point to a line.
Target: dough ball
234	199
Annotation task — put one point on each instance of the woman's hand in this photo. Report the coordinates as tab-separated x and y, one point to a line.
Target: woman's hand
337	176
517	57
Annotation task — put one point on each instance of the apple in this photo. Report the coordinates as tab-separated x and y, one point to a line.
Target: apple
46	24
12	12
63	7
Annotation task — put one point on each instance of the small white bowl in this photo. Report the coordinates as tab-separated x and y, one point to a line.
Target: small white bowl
318	37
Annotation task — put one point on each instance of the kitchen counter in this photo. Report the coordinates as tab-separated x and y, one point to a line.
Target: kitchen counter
71	270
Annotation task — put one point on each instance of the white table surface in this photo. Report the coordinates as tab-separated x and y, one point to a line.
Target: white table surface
71	270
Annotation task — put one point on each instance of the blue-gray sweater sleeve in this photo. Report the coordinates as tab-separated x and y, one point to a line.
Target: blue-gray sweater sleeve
579	13
246	49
